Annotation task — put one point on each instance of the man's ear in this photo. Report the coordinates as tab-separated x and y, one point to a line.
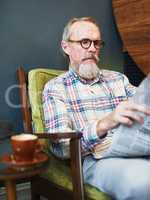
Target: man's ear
65	47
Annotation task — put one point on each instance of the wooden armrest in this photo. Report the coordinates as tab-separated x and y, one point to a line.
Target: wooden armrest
63	135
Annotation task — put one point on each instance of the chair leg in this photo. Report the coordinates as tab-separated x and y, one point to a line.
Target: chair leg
34	195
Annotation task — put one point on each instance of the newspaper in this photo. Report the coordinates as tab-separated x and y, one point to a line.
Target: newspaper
133	141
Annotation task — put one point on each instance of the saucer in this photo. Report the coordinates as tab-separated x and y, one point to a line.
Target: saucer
38	159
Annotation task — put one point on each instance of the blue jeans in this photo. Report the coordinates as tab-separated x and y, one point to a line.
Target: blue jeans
121	178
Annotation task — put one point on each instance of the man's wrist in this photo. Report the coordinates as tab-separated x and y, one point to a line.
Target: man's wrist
105	124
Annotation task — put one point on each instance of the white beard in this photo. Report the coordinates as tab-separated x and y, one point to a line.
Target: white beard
88	71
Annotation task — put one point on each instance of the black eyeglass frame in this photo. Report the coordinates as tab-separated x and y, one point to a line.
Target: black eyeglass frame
100	43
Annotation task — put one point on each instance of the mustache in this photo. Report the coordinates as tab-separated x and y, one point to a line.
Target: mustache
93	57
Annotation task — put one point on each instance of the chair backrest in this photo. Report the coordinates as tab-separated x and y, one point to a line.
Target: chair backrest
26	113
37	78
32	95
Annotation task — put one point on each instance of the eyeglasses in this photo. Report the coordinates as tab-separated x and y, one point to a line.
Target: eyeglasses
86	43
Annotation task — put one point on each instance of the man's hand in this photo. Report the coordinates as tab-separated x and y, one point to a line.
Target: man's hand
126	113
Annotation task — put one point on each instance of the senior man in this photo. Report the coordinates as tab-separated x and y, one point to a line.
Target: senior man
95	101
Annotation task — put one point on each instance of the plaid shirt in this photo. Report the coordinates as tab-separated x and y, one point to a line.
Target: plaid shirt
71	103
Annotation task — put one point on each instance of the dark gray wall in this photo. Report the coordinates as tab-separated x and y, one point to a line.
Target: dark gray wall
30	33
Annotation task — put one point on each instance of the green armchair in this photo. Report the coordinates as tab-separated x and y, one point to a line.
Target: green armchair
63	179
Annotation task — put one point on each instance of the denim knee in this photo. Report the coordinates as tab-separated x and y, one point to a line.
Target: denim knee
137	189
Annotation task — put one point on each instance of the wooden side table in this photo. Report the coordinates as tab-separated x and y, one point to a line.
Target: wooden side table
10	174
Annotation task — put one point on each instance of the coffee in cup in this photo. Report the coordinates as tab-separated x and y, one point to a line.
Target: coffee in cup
24	147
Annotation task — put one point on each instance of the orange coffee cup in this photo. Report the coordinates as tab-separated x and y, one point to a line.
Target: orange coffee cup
24	147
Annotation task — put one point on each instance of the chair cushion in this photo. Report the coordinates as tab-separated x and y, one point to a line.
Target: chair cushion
58	171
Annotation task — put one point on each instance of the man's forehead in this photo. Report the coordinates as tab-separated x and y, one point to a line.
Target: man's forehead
84	29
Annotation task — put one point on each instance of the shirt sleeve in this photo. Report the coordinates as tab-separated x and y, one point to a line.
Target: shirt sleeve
55	111
56	118
129	88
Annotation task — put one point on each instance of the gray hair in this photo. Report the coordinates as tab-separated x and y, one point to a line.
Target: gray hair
66	33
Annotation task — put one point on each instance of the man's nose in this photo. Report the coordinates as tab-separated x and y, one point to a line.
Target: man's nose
92	47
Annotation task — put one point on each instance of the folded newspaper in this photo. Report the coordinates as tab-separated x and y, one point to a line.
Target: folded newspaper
133	141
